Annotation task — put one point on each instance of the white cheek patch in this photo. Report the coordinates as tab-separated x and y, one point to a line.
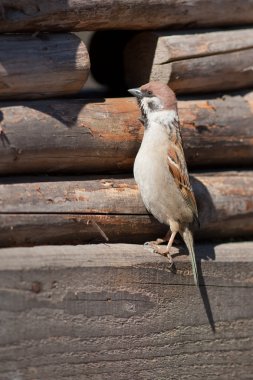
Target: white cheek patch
163	117
150	105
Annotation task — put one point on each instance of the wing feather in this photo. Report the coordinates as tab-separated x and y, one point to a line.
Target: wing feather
178	169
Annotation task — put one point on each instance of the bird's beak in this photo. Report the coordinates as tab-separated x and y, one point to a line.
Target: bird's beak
136	92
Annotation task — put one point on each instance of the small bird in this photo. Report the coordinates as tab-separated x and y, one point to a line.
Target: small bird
160	169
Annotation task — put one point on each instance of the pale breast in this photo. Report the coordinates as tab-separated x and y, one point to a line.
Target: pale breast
157	187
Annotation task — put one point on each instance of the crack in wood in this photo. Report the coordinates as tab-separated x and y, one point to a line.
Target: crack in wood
201	55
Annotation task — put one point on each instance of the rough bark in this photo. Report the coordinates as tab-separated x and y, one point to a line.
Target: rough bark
36	15
62	211
191	62
104	135
117	312
42	66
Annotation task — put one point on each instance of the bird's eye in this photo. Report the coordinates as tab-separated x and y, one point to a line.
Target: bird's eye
149	92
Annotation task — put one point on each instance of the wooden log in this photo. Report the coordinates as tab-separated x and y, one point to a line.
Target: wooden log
35	15
117	312
62	211
104	135
191	62
42	66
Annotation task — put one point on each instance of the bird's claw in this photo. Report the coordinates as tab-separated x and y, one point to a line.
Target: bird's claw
158	241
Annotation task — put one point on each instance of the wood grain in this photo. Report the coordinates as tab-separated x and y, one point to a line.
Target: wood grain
42	66
35	15
104	135
115	312
71	211
191	62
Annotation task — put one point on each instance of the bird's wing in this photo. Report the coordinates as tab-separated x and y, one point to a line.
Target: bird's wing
178	170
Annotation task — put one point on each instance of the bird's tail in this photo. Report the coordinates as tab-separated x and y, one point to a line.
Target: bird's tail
188	239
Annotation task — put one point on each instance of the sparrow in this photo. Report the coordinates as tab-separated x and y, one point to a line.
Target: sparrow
160	169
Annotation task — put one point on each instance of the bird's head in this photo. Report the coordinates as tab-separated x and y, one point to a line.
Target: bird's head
153	97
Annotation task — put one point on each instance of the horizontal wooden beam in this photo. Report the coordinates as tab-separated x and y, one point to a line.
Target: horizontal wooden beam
42	66
61	211
104	135
212	260
35	15
191	62
118	312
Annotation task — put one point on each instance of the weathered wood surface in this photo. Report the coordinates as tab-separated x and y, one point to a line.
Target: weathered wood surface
37	15
117	312
104	135
42	66
62	211
191	62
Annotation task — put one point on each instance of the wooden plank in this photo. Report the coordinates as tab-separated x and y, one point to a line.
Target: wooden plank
191	62
42	66
117	312
62	211
34	15
82	135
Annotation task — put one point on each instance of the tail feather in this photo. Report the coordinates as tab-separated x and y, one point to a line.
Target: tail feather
188	239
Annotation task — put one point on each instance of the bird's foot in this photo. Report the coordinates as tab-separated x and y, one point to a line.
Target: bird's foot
154	247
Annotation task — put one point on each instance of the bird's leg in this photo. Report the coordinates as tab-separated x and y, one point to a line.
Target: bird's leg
169	245
171	239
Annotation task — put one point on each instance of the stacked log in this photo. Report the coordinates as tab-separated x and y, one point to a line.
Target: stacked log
74	15
103	136
192	62
49	211
42	66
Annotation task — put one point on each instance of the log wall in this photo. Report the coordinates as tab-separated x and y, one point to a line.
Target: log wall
117	311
